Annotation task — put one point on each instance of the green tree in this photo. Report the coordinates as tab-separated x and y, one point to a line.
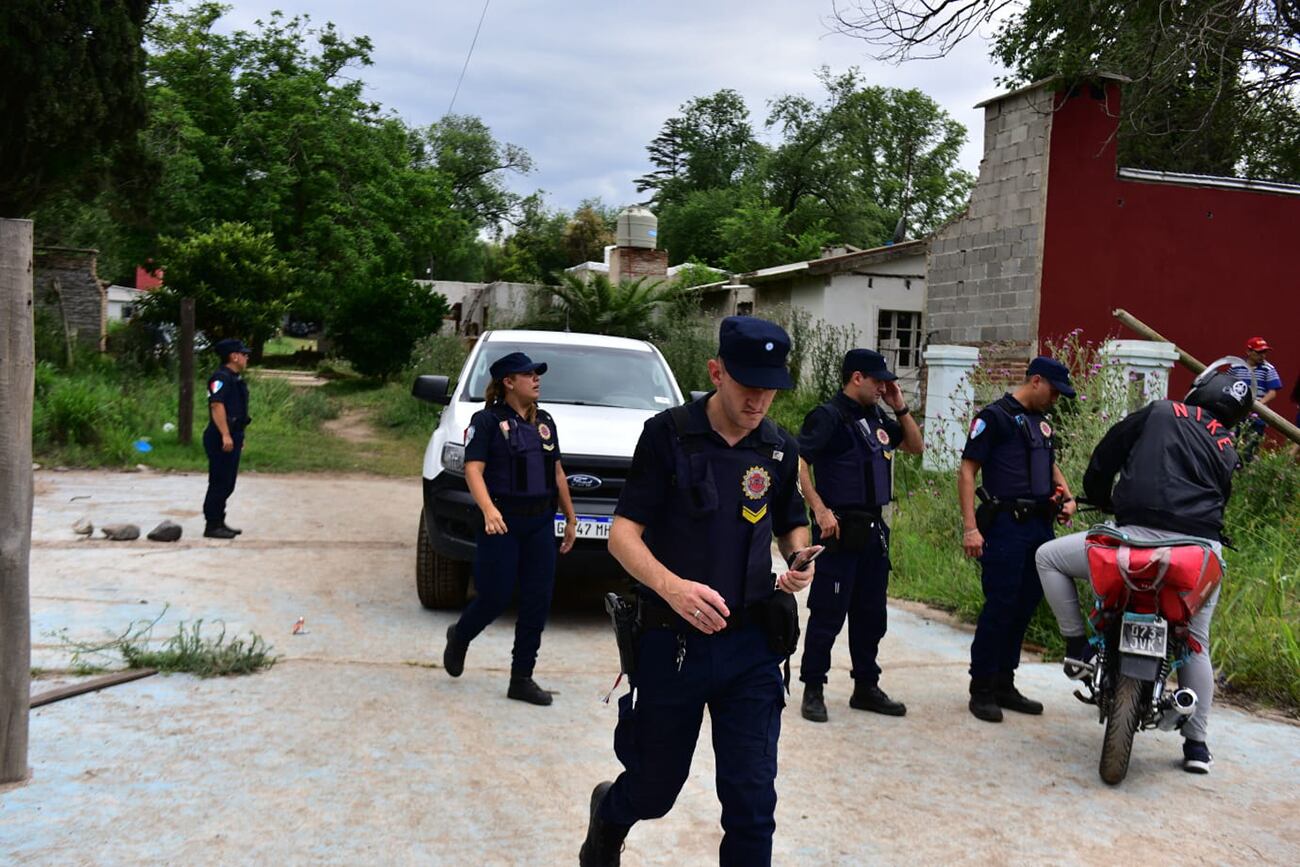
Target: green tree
691	228
1205	73
234	274
534	251
587	235
377	326
757	236
71	92
598	306
710	146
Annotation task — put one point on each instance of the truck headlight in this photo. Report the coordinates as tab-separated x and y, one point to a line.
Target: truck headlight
453	458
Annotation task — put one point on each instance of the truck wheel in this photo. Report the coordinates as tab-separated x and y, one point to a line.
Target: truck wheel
441	583
1121	726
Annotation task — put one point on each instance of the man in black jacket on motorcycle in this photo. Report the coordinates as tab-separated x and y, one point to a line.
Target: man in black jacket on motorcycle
1175	463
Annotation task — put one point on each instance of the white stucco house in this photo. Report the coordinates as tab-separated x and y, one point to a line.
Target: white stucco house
122	301
880	292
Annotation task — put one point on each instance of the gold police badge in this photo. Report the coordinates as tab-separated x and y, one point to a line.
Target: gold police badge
756	482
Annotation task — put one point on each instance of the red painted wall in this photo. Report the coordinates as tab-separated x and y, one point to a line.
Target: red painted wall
146	279
1207	268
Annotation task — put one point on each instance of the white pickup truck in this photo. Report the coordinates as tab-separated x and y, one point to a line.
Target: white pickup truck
600	390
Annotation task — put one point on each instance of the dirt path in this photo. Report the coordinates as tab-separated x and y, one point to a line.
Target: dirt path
352	425
356	748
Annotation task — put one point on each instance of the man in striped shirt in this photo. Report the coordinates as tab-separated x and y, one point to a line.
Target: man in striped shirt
1264	385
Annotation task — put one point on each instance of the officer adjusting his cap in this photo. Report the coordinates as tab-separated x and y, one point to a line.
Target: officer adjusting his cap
711	483
1175	462
1011	445
223	438
513	471
849	444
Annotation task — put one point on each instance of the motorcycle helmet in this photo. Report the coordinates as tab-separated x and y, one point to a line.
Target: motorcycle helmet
1222	393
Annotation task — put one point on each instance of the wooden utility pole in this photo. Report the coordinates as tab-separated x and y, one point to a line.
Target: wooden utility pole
1278	423
185	411
17	369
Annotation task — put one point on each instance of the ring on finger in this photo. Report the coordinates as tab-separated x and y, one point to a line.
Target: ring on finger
697	614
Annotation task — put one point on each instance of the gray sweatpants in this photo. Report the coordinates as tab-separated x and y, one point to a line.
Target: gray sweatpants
1063	561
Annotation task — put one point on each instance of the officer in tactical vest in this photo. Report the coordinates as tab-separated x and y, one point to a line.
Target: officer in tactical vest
711	483
849	443
1175	462
513	470
223	438
1011	445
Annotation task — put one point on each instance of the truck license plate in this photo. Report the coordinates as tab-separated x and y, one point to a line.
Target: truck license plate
589	526
1143	637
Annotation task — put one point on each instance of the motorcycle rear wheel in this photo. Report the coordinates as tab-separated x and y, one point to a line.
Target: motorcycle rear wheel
1121	726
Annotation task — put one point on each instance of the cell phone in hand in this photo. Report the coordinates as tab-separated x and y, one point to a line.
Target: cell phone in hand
806	556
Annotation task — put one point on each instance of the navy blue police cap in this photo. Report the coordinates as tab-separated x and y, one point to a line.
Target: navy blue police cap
754	352
515	362
223	348
869	363
1054	372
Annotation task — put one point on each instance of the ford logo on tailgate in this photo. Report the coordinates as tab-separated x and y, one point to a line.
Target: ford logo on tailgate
584	482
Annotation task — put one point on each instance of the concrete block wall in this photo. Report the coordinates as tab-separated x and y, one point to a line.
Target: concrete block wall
985	267
65	284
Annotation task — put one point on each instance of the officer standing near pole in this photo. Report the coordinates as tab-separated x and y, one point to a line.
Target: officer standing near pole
223	438
711	483
850	443
1011	444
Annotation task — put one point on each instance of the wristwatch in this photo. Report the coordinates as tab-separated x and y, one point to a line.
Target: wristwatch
899	413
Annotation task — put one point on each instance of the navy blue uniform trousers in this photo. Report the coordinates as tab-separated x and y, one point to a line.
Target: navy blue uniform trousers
223	469
1011	593
523	557
738	678
852	583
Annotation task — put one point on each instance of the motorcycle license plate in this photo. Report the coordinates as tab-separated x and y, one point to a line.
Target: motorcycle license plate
588	527
1143	637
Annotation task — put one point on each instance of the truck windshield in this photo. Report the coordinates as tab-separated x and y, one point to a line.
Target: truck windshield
585	375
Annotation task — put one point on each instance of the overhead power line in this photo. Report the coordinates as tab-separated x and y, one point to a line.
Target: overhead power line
477	30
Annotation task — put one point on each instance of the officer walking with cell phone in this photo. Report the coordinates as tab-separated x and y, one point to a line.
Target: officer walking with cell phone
710	484
1011	445
513	471
849	443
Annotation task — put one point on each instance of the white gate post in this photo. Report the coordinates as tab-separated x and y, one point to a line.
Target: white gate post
948	400
1137	373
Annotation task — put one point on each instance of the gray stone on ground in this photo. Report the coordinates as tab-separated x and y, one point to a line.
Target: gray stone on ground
122	532
167	531
83	527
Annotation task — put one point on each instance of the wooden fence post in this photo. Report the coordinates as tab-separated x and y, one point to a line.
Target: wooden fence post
17	368
185	411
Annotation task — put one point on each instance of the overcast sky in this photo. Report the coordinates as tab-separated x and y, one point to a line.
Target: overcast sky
584	85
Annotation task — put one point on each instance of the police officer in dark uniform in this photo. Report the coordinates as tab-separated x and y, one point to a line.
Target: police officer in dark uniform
1011	444
513	470
850	445
711	483
223	438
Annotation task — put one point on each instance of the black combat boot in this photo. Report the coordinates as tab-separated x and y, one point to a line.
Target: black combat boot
526	689
983	700
219	531
814	705
1009	697
871	697
604	843
453	658
234	530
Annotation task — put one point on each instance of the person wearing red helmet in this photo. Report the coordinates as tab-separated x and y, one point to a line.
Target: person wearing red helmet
1265	383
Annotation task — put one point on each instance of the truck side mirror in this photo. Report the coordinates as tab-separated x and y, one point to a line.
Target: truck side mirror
431	388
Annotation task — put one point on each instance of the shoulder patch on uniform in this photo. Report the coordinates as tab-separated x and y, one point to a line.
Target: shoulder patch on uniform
1045	428
468	436
215	385
543	430
977	427
883	436
756	482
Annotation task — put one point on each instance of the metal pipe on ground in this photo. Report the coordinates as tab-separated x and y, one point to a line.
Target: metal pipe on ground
1274	420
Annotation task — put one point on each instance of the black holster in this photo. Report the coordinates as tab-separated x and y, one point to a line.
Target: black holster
625	616
778	617
858	531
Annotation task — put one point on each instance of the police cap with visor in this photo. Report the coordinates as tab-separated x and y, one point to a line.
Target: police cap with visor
1056	373
868	362
224	348
515	362
754	351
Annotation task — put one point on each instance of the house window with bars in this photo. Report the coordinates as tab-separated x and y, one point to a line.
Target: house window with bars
898	337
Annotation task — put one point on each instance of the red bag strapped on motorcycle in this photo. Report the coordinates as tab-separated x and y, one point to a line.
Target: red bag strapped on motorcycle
1173	576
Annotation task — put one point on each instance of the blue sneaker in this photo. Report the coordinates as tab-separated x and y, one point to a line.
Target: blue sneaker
1196	757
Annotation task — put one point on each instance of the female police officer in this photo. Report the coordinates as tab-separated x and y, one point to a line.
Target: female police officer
512	467
710	484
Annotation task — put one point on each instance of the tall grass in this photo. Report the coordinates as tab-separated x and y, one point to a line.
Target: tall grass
1255	637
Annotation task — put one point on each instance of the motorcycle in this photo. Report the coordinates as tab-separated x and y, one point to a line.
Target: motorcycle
1146	595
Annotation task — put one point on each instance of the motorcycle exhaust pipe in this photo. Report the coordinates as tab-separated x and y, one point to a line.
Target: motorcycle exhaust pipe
1181	705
